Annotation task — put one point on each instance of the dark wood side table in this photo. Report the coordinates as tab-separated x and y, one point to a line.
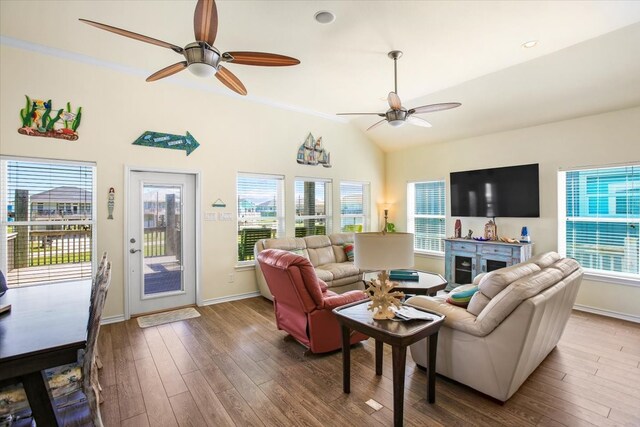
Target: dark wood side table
399	335
428	283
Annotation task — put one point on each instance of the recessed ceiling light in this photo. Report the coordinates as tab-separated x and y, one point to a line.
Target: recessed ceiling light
324	17
530	44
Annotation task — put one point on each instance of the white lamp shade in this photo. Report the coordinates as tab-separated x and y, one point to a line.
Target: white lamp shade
380	251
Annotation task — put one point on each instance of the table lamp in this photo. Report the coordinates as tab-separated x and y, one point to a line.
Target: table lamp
384	252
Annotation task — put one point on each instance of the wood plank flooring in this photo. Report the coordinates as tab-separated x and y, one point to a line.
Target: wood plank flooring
233	367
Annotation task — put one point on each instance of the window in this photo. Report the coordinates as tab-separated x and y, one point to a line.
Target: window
426	215
354	206
260	211
47	220
313	206
599	219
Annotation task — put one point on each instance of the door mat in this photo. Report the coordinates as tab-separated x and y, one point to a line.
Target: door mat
167	317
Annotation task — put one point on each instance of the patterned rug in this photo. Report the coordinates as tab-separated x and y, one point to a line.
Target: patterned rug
167	317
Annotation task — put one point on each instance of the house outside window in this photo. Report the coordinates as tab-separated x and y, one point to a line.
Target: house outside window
260	211
313	206
599	219
354	206
47	220
426	215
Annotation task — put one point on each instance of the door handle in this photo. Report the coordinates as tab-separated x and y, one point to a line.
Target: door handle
133	251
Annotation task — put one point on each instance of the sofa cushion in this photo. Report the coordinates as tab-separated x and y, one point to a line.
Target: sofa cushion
478	302
287	244
300	252
566	266
339	270
506	301
339	239
545	259
496	281
324	275
461	298
456	317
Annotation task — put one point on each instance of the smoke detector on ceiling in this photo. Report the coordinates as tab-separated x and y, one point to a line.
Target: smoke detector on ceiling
324	17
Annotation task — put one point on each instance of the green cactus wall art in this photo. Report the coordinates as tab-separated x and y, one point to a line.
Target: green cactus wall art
37	120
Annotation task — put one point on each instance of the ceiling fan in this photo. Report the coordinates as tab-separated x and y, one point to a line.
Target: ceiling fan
397	115
202	58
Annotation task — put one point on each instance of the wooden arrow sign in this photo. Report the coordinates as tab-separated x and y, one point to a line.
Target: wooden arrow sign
167	140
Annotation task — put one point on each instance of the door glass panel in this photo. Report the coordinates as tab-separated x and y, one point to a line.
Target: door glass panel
162	249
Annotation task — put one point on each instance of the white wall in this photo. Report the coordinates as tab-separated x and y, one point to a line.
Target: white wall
595	140
235	136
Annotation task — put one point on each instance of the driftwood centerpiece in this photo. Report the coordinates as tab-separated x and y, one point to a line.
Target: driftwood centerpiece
383	297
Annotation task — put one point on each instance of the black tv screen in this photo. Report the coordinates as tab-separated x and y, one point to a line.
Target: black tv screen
499	192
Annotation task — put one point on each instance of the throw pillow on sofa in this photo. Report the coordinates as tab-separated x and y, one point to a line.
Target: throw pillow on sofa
462	298
348	250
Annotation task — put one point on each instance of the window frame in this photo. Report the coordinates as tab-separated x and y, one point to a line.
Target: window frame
366	204
328	198
607	276
4	202
280	211
412	216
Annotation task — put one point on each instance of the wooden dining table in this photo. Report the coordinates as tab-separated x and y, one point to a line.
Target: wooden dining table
45	328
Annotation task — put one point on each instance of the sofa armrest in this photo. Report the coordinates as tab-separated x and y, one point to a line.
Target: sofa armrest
456	317
476	280
323	285
347	298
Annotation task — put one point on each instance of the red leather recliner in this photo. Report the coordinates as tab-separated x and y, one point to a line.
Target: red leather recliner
303	304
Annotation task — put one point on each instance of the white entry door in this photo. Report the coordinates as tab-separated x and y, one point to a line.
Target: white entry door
161	241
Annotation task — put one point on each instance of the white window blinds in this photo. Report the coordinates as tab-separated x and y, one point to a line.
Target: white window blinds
600	218
426	215
313	206
354	206
47	221
260	211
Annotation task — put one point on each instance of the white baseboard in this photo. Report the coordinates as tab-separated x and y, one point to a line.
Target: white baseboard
112	319
608	313
230	298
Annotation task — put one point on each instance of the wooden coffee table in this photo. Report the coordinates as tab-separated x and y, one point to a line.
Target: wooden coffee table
399	335
428	283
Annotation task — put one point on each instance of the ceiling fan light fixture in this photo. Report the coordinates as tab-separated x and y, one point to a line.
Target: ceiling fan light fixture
396	123
201	69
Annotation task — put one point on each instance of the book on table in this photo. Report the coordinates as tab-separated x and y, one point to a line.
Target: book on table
403	275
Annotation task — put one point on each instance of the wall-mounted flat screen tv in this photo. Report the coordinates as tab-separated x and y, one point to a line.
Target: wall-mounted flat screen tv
499	192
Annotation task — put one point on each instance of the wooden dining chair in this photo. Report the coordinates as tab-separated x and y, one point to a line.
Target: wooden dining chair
67	380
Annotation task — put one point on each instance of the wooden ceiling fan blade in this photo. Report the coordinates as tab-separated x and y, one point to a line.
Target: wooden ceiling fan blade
259	58
376	124
133	35
434	107
394	101
418	122
360	114
230	80
167	71
205	21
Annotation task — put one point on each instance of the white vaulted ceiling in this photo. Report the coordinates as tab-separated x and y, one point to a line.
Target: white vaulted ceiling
587	60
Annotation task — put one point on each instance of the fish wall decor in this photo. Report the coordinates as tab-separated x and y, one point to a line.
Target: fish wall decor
37	120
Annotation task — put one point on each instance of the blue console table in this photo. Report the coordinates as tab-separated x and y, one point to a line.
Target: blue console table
465	258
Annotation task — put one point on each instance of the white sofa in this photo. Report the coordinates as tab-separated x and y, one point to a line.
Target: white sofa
326	254
511	324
